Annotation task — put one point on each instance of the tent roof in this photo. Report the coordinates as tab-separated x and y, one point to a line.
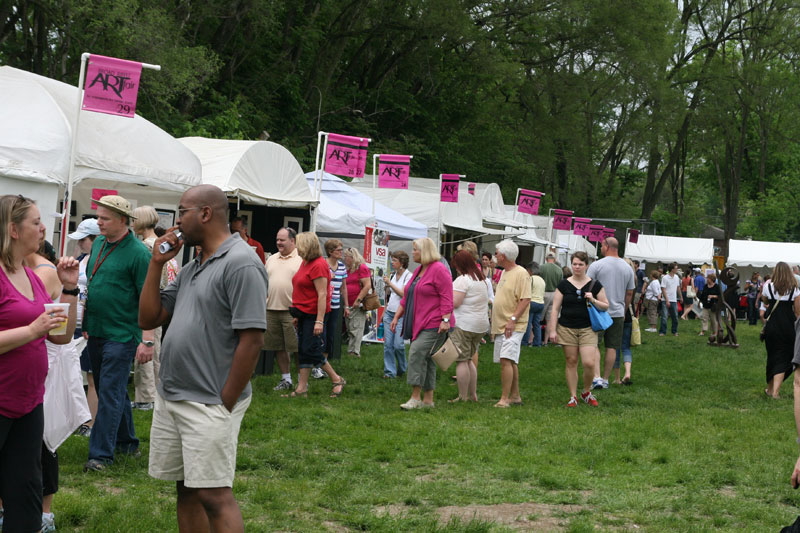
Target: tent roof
259	172
421	202
652	248
345	210
762	253
38	116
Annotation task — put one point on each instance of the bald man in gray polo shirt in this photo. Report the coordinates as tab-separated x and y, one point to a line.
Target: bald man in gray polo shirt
217	306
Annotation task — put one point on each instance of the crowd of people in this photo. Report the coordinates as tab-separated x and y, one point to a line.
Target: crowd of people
193	336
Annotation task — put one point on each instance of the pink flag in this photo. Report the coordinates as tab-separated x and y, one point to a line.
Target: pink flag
608	232
562	219
449	188
582	226
596	233
471	189
99	193
393	171
112	85
529	201
633	236
346	155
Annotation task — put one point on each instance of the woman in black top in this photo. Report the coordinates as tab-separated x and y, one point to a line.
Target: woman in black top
711	297
782	299
574	330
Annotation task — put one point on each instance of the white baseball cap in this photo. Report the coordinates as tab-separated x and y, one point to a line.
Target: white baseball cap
85	228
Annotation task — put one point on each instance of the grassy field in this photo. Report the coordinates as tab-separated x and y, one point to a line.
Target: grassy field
692	445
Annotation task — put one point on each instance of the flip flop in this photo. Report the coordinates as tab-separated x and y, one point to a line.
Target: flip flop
518	402
341	383
502	405
295	394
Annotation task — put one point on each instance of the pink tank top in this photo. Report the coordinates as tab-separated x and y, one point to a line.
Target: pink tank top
23	369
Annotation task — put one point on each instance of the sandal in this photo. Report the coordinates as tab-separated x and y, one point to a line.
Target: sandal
295	394
341	383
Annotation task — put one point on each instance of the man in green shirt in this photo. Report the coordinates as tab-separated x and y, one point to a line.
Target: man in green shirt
115	272
552	274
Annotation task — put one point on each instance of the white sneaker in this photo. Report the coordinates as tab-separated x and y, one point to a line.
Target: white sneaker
411	404
318	373
424	405
651	330
604	384
285	384
48	522
597	383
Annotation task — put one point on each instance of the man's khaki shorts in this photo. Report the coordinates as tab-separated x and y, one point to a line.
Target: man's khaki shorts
576	336
280	335
195	443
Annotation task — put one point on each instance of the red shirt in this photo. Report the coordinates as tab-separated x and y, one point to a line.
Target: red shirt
354	283
304	294
257	245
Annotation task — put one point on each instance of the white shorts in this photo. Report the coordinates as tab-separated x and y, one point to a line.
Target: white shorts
508	348
195	443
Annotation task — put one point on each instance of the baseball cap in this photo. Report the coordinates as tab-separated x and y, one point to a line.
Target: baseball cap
85	228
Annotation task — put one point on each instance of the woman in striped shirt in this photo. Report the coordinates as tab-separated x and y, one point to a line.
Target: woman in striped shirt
333	321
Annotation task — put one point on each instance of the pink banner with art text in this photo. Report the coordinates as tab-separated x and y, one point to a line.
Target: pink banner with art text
596	233
346	155
582	226
449	188
633	236
471	189
112	86
562	219
608	232
99	193
529	201
393	171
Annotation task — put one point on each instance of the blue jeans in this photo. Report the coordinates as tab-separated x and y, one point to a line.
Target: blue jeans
673	314
535	324
394	351
627	357
113	425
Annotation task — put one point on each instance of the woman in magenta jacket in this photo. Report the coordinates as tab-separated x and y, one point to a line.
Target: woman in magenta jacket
428	307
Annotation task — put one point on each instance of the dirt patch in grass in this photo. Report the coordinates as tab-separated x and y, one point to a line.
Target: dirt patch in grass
109	489
521	516
727	491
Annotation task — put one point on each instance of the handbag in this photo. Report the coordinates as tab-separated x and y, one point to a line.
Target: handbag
690	292
371	300
446	353
636	332
600	320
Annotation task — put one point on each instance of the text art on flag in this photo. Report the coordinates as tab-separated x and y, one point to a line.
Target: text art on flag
471	189
596	233
582	226
633	236
562	219
529	201
608	232
393	171
346	155
449	191
112	86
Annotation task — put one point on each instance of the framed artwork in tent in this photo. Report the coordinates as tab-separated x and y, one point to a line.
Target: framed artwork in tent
166	217
296	223
247	219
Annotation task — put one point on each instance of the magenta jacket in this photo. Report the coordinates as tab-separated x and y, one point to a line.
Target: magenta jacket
433	298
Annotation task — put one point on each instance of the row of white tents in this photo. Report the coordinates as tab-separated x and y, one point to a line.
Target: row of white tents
147	165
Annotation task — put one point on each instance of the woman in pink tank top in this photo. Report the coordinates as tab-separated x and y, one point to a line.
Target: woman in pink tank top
24	325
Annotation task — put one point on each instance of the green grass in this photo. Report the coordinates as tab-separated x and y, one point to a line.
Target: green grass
693	445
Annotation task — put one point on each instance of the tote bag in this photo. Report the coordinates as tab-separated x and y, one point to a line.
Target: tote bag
600	320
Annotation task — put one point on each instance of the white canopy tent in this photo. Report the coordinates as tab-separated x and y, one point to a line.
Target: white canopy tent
655	248
762	254
537	233
132	156
258	172
344	210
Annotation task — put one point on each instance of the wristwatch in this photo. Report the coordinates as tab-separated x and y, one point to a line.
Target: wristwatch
71	292
513	318
149	344
446	320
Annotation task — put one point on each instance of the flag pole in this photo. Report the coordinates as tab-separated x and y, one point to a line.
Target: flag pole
66	211
374	159
318	175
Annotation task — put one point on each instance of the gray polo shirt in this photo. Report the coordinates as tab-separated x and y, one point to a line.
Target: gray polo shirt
208	303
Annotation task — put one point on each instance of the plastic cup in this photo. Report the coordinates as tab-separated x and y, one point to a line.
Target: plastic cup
51	309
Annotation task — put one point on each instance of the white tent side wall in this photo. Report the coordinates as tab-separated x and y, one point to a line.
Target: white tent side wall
44	194
762	254
660	248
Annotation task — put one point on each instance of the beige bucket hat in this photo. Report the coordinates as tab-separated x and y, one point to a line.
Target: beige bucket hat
118	204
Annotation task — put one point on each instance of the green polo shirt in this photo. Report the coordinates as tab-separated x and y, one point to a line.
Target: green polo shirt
112	307
552	275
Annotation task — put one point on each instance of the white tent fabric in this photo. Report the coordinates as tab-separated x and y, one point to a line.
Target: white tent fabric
421	203
344	210
537	232
259	172
762	253
654	248
38	116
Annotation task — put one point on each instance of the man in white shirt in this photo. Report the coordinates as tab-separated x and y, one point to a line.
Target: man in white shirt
670	288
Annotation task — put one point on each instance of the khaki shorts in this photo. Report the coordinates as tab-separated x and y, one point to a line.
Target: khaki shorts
466	343
576	336
280	335
195	443
507	348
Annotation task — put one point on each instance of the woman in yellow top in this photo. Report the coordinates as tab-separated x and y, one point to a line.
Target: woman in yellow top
534	333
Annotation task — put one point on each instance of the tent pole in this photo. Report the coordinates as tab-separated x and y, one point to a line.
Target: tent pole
65	210
317	176
374	159
439	229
